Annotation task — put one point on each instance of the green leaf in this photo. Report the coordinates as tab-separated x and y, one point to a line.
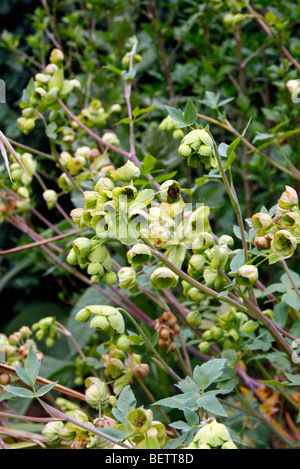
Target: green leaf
176	114
32	365
211	405
23	376
189	113
45	389
209	372
148	165
126	402
19	391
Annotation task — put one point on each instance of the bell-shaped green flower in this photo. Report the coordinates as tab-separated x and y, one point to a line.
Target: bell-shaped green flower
139	420
127	278
202	242
96	395
247	275
82	246
261	222
50	197
139	254
283	244
127	173
163	278
51	433
170	191
288	199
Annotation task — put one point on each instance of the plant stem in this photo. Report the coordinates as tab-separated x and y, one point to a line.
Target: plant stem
166	367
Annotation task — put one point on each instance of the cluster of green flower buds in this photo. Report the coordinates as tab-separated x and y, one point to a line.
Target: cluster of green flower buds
47	327
22	181
95	258
106	318
15	349
231	330
279	235
197	147
212	435
94	115
171	125
47	87
209	257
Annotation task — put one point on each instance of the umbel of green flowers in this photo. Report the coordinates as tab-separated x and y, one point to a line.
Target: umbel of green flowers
279	235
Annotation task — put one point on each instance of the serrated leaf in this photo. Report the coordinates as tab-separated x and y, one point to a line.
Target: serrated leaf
209	372
211	405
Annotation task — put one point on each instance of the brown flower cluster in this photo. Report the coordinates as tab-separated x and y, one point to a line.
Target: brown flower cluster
167	328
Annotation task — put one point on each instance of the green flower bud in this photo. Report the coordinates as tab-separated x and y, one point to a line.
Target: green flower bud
216	332
139	420
111	278
76	215
51	433
268	313
56	56
65	183
168	124
178	134
114	368
83	315
196	266
204	446
247	275
226	240
261	222
163	278
214	434
104	184
122	343
194	319
96	395
90	199
50	197
127	278
288	198
82	246
196	295
233	334
100	322
283	244
23	192
170	191
204	347
26	125
98	253
95	268
116	108
202	242
139	254
111	138
249	326
127	173
229	445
